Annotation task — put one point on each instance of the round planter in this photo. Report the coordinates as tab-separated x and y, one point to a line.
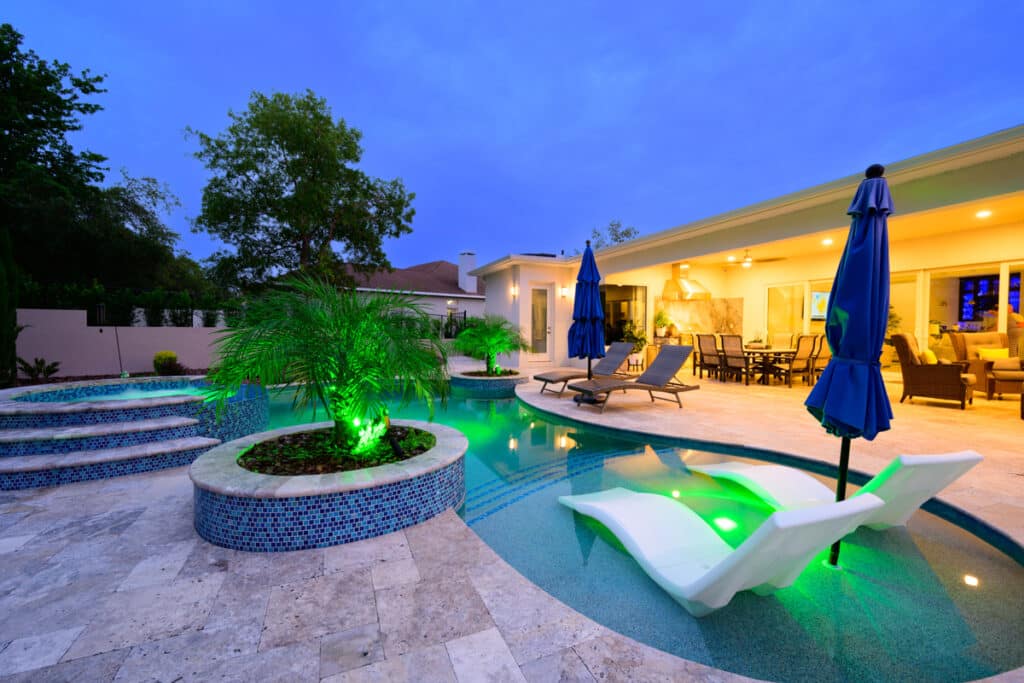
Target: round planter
486	387
243	510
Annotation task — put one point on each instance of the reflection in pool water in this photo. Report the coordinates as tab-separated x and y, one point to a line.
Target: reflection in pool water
904	608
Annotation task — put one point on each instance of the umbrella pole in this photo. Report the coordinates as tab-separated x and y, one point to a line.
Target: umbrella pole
590	373
844	465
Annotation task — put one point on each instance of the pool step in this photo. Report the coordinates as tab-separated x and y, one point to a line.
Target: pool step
31	471
56	440
37	415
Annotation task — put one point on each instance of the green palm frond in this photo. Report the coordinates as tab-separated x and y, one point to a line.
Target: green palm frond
343	350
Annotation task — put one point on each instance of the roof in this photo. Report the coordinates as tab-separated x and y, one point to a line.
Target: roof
436	277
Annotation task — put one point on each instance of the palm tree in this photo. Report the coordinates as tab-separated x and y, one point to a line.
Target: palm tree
338	349
484	338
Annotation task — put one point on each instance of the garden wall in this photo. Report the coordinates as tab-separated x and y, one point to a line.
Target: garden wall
59	335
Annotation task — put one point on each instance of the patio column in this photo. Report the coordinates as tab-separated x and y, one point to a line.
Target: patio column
1004	296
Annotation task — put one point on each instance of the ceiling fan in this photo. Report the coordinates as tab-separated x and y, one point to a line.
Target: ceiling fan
747	261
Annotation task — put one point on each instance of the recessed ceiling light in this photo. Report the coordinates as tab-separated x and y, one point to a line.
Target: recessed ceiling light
747	264
985	213
731	259
827	242
685	266
970	580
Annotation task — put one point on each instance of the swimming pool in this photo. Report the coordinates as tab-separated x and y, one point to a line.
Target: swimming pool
902	609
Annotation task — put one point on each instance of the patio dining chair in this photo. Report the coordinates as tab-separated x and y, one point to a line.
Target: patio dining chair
821	359
799	363
734	363
710	358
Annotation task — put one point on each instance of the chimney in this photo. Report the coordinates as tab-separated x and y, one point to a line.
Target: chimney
467	262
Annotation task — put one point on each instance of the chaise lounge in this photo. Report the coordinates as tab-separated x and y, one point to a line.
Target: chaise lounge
608	366
904	485
686	557
658	378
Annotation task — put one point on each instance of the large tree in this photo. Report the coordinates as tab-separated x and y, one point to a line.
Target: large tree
285	194
42	176
613	234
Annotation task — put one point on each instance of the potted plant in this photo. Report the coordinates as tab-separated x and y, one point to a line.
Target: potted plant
485	338
634	334
892	325
347	352
661	323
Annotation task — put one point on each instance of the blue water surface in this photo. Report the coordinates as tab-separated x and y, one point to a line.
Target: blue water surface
900	610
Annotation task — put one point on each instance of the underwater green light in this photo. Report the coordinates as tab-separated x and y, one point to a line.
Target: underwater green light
724	523
675	494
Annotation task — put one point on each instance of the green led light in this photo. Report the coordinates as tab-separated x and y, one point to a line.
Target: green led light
724	523
355	422
675	494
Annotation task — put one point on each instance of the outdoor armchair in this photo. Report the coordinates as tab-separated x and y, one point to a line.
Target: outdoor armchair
943	381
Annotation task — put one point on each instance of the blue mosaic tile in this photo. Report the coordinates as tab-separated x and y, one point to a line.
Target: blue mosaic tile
282	524
470	387
13	481
95	443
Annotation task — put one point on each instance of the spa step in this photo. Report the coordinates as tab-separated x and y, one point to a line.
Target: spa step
35	415
33	471
47	440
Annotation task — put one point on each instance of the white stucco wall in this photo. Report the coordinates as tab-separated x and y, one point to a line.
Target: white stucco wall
82	350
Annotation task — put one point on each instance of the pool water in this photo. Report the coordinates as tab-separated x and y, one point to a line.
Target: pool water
135	394
900	610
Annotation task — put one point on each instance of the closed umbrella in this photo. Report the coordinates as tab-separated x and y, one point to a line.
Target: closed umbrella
850	400
586	334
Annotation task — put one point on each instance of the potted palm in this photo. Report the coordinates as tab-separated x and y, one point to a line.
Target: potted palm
635	335
485	339
348	354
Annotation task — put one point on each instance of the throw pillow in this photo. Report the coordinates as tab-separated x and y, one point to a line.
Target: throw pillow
993	354
1004	364
928	357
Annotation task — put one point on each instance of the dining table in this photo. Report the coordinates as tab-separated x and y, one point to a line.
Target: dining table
763	359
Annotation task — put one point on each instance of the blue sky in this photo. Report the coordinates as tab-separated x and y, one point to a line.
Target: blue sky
522	126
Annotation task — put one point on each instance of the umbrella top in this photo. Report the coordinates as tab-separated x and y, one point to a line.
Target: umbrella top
872	194
588	267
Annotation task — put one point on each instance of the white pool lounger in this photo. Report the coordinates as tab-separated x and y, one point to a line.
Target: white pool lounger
904	485
685	556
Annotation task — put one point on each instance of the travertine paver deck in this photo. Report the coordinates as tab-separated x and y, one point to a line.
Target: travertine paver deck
107	580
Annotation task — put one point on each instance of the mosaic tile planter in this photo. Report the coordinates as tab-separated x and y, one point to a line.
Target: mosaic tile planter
243	510
486	387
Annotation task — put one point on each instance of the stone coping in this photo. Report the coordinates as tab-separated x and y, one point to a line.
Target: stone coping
101	429
218	471
50	461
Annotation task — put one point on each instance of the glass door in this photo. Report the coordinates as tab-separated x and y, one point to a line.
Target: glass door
540	324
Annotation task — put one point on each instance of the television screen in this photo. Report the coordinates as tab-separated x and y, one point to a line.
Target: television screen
819	305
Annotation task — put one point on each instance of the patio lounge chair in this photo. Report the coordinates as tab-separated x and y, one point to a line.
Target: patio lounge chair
690	561
904	485
658	378
608	366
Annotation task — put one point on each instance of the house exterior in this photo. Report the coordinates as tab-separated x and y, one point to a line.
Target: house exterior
443	289
956	256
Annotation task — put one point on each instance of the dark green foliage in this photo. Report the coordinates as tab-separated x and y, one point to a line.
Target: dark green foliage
613	234
153	304
283	191
38	368
635	335
166	363
8	311
337	349
485	338
180	304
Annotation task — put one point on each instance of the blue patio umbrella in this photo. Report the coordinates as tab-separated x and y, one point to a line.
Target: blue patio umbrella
850	400
586	334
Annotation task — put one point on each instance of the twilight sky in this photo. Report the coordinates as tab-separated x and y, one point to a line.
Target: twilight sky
522	126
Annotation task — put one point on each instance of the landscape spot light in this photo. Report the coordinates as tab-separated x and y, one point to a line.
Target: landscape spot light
675	494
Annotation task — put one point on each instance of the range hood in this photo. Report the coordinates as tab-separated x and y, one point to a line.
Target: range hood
681	288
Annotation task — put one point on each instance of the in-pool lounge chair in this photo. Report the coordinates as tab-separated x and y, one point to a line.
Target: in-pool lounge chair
658	378
904	485
684	555
608	366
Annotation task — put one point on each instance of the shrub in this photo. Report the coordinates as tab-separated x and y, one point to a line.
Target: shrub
39	368
166	363
181	309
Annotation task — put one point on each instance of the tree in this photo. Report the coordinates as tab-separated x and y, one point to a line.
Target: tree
284	192
41	175
343	350
484	338
616	234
